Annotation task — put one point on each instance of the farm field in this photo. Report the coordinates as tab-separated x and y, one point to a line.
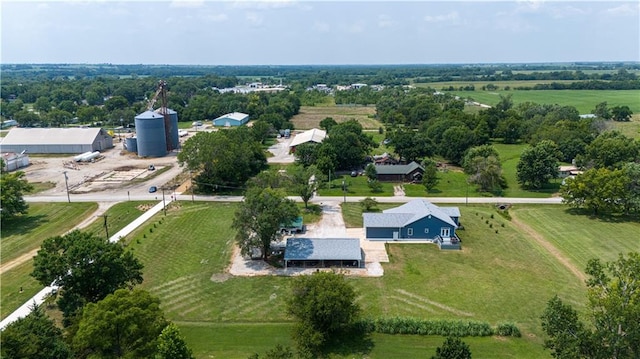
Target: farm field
44	220
583	100
310	116
506	276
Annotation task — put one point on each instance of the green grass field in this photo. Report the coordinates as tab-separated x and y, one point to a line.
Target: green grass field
497	277
583	100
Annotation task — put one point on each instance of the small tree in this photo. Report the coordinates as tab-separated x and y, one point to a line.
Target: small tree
323	306
371	172
621	113
171	344
304	182
430	177
453	348
368	204
327	123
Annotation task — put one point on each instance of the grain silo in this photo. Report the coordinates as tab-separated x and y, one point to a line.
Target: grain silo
150	131
173	128
131	144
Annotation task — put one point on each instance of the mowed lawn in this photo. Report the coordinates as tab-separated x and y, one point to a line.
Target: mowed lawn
27	233
582	237
310	116
497	277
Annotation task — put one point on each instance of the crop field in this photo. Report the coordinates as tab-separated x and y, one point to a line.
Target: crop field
505	276
310	116
583	100
24	235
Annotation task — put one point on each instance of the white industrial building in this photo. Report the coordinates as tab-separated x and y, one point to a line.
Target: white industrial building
56	140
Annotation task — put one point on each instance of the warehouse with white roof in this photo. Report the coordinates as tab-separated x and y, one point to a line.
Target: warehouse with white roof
56	140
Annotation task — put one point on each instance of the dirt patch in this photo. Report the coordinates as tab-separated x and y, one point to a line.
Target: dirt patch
549	247
220	277
145	207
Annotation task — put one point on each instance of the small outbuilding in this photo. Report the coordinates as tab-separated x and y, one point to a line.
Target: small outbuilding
231	120
411	172
56	140
13	161
323	253
313	135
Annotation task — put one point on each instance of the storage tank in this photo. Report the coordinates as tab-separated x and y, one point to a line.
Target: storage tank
90	157
173	130
78	158
151	134
131	144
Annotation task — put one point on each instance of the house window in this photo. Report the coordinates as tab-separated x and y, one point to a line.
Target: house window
409	231
445	232
426	230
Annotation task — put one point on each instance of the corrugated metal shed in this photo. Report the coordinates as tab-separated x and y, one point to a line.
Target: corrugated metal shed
312	135
231	119
56	140
323	249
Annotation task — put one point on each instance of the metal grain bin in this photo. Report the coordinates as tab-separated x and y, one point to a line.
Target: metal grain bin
131	143
151	134
173	130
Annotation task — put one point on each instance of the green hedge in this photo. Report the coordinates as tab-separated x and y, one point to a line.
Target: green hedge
457	328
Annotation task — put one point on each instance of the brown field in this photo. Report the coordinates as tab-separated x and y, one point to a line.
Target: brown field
310	116
629	129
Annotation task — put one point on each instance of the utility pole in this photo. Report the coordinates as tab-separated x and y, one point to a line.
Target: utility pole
466	201
191	183
164	204
106	228
344	191
66	183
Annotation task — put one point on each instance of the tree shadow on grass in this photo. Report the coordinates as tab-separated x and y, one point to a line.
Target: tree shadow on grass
22	224
603	217
355	341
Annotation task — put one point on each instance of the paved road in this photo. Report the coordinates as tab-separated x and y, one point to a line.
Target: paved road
114	197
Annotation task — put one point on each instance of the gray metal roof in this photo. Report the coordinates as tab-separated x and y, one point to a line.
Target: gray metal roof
148	115
238	116
409	212
169	111
451	211
323	249
397	169
51	136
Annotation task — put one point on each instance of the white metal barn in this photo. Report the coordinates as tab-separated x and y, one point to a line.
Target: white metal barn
56	140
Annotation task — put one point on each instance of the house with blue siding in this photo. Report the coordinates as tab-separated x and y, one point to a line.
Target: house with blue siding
417	220
231	119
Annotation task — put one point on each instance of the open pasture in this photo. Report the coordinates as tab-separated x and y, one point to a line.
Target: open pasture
497	277
310	116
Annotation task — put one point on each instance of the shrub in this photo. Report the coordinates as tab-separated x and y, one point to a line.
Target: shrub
505	214
508	330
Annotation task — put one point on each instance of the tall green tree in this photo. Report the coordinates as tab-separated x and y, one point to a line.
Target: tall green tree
34	336
328	123
430	176
598	190
125	324
613	293
304	182
223	159
610	149
323	306
171	344
13	187
349	144
259	217
621	113
538	164
87	267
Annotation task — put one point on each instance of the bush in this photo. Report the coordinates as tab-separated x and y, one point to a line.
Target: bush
504	213
508	330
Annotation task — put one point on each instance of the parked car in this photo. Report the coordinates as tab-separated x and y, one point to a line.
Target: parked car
153	189
354	173
152	168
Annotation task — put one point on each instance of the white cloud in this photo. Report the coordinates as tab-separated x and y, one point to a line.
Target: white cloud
385	21
450	17
321	26
254	19
263	4
187	3
569	11
357	27
624	10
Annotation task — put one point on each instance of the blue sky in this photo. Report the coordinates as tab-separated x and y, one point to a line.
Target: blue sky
318	32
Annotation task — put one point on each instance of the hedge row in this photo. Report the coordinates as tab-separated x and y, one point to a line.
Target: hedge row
457	328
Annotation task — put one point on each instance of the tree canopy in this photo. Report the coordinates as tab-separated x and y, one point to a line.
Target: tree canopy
323	306
538	164
171	344
453	348
125	324
87	267
259	218
223	160
34	336
613	294
12	203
